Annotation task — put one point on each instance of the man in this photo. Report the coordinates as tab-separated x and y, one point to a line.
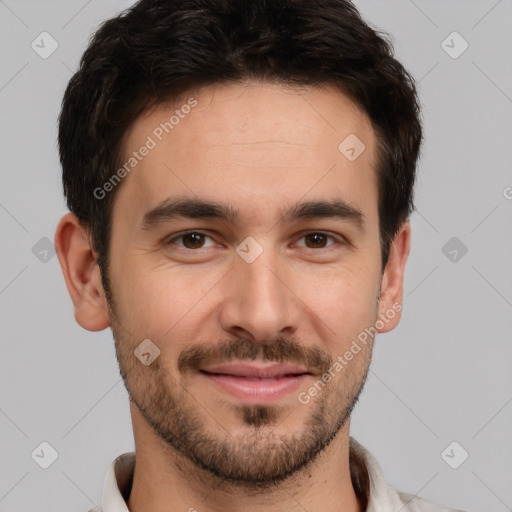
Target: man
240	177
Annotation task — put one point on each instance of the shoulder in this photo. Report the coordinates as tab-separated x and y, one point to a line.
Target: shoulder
416	504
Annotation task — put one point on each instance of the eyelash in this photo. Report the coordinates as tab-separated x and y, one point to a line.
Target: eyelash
170	241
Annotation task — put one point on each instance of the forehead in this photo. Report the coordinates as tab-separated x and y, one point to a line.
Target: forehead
251	143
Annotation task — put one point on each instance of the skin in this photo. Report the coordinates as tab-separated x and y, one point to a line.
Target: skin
259	148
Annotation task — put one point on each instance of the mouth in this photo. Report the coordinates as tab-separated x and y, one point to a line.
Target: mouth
256	382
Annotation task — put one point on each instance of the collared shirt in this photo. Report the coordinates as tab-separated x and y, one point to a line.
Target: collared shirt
366	475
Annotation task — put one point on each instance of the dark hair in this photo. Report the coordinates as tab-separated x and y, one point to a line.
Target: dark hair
157	50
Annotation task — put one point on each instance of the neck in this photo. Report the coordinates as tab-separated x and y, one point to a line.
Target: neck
166	481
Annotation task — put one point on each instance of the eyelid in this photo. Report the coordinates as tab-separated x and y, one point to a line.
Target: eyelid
175	236
337	239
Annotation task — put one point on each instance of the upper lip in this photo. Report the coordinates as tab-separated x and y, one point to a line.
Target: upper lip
261	370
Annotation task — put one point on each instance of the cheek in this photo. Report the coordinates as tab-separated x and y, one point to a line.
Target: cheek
345	302
161	301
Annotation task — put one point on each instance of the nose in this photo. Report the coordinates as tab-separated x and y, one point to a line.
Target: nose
258	300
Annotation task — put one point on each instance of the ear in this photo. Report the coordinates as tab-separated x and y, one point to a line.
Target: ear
81	273
391	293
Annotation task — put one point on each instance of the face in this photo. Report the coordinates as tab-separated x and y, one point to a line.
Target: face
245	247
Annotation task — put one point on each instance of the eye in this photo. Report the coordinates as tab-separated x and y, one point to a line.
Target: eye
316	240
191	240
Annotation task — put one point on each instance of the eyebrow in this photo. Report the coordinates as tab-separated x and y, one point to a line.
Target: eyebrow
190	208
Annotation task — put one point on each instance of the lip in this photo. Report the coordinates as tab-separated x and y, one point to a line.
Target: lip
253	383
256	370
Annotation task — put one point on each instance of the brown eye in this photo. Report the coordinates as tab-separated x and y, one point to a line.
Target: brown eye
193	240
316	240
190	240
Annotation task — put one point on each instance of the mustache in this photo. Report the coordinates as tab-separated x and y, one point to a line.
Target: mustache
278	350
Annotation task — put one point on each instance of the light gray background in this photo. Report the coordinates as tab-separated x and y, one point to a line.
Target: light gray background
443	375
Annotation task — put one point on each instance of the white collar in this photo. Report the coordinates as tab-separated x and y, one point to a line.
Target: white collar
383	498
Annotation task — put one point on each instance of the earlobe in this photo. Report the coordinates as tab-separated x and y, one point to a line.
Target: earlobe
81	273
391	295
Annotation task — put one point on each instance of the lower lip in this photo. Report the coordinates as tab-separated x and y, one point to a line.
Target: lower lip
259	391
